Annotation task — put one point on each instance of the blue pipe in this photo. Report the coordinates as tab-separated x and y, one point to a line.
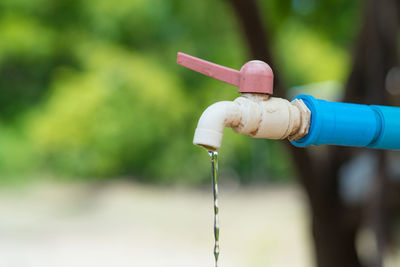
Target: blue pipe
346	124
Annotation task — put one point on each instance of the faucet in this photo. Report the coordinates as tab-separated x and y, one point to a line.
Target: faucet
255	113
305	121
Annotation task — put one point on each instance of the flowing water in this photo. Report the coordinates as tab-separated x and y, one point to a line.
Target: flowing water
214	172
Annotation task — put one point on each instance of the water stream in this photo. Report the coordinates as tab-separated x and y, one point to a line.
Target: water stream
214	172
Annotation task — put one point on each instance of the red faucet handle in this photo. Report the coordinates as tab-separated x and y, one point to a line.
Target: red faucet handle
254	77
213	70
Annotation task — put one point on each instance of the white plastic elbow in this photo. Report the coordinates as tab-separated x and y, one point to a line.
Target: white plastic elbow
212	122
255	115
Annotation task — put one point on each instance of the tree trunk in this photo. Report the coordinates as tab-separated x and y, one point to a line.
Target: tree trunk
335	225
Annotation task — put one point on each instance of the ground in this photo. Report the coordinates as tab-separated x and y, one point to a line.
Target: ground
125	224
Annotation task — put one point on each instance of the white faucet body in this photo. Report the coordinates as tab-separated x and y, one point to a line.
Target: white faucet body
256	115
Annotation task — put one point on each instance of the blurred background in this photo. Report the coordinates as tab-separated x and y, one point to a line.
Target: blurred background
97	166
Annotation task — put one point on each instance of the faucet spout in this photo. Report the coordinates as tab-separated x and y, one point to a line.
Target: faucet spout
212	122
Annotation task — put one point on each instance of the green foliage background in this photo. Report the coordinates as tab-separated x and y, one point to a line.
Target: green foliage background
91	88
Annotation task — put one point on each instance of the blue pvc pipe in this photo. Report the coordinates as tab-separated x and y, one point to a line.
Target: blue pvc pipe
346	124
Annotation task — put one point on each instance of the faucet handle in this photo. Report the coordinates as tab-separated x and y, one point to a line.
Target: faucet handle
254	77
213	70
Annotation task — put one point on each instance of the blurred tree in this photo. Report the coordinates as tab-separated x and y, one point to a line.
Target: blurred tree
90	88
